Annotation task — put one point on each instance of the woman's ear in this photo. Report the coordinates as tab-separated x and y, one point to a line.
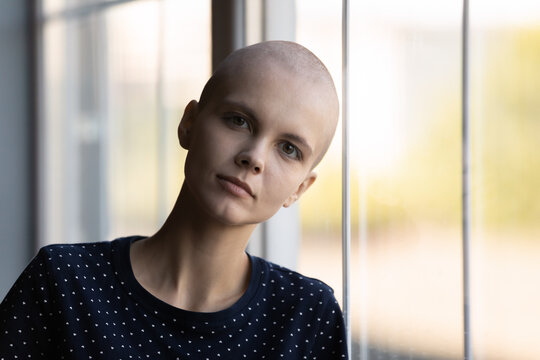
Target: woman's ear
186	124
304	185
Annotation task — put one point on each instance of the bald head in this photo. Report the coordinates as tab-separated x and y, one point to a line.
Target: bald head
279	58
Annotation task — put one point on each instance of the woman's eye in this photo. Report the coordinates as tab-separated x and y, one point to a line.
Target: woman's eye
239	121
290	150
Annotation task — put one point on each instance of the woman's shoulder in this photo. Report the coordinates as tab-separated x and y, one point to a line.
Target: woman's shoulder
79	259
281	274
82	251
283	282
73	249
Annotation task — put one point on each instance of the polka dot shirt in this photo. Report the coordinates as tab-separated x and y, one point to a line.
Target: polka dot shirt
82	301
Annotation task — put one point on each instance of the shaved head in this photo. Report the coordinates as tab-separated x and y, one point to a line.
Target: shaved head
282	57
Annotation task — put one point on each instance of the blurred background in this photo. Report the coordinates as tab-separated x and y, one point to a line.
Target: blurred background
91	92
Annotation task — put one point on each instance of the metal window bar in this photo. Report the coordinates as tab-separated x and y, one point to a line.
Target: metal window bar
466	183
345	178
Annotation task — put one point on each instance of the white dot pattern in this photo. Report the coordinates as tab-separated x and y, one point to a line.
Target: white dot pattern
82	301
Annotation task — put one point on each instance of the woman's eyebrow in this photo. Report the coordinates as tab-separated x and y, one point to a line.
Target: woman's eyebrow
298	140
240	105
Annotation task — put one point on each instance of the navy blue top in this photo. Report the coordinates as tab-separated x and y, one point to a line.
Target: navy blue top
82	301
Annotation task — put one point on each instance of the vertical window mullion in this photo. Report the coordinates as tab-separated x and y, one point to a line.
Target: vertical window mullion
466	183
345	175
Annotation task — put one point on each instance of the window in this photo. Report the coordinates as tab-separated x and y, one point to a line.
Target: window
405	154
115	76
115	79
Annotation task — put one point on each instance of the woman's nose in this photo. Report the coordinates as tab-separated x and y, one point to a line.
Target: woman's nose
252	159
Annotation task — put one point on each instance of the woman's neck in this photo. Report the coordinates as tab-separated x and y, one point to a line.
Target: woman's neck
194	262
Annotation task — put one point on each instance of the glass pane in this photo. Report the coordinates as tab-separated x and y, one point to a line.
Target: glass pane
153	73
115	83
70	132
132	134
186	66
406	165
505	80
405	168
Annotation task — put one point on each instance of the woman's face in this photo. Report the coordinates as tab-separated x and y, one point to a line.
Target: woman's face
252	146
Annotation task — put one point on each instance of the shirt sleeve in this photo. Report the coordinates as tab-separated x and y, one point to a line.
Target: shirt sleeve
331	338
25	314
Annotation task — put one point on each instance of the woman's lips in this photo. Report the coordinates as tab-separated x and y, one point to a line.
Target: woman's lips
235	186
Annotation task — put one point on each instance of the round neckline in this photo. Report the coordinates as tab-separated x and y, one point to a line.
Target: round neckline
231	316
